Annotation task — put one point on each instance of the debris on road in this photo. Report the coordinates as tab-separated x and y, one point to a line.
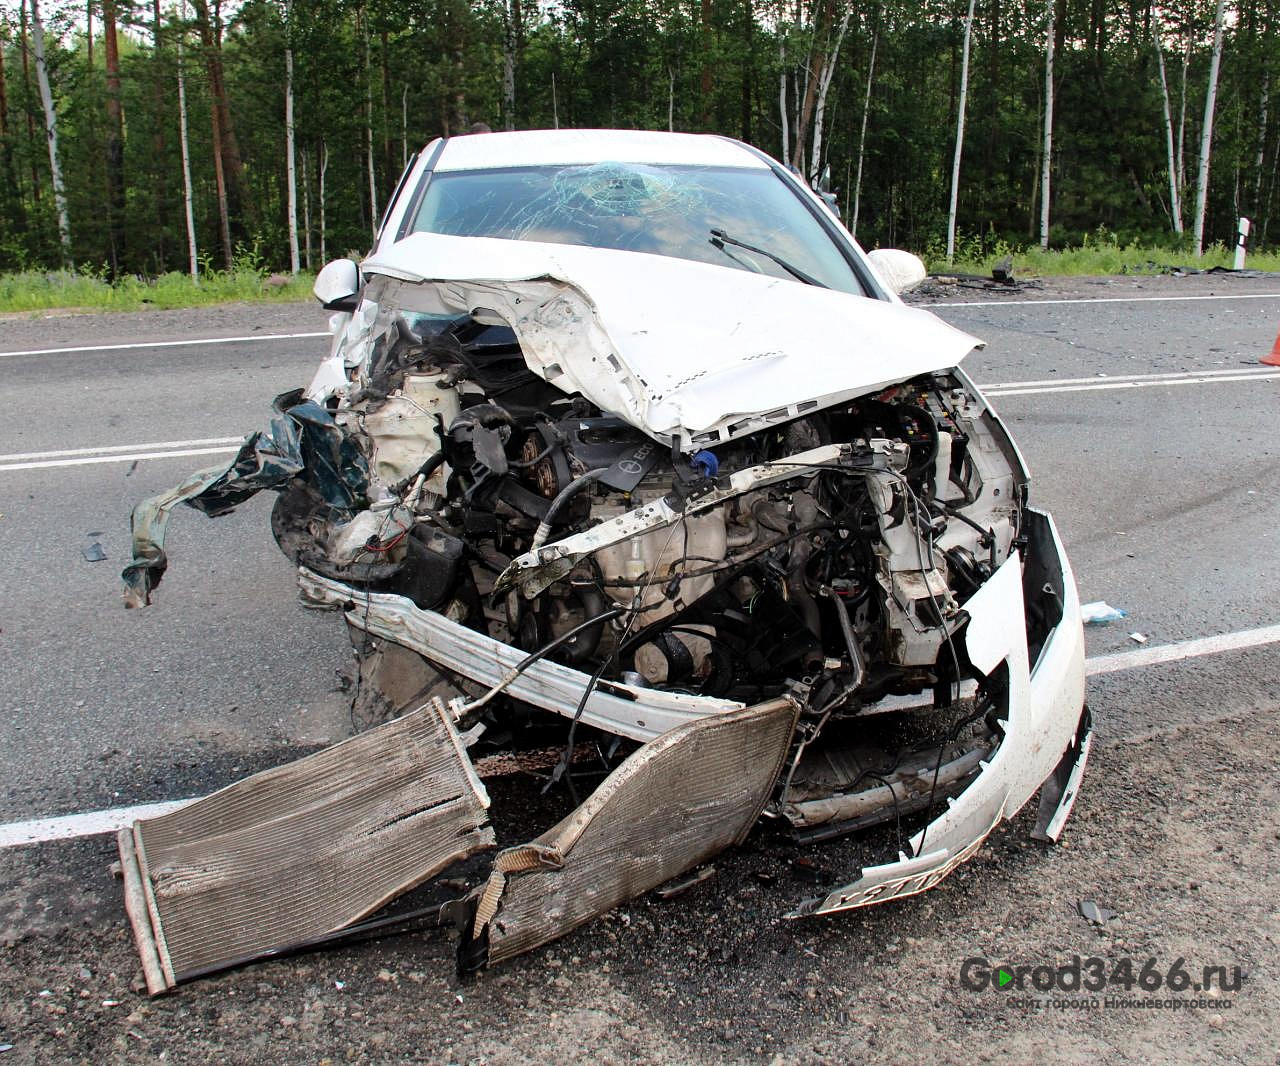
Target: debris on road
1138	638
93	551
1091	912
1100	613
678	886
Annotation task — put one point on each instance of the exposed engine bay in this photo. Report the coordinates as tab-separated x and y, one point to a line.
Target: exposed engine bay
831	614
829	557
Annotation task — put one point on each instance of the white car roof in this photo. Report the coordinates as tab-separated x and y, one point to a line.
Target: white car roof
478	151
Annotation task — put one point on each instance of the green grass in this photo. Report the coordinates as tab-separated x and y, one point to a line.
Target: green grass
1097	258
43	291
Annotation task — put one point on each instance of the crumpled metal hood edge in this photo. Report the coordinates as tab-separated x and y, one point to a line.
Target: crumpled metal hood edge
688	352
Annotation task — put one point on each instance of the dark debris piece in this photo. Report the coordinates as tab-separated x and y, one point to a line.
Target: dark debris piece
678	886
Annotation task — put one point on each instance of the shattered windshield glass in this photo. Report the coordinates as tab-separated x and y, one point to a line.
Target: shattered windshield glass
663	210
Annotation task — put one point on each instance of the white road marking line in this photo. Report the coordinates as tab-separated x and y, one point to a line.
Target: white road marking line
1168	375
127	458
92	823
106	450
1099	300
71	826
1111	386
164	449
1185	649
193	342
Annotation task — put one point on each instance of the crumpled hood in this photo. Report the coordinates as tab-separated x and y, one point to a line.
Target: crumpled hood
687	352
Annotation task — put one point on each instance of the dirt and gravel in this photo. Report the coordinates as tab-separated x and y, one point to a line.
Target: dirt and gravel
1176	832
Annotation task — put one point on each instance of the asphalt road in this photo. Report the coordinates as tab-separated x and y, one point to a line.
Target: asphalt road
1167	495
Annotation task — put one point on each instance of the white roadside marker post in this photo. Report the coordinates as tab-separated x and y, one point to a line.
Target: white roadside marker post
1242	239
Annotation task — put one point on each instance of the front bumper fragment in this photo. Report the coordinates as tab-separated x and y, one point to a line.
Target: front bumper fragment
1047	732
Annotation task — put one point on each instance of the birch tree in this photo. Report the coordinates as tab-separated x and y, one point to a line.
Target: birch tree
51	132
510	13
862	135
291	166
960	110
185	145
1046	156
782	93
819	33
306	211
322	168
158	136
824	87
1175	192
1264	98
1206	133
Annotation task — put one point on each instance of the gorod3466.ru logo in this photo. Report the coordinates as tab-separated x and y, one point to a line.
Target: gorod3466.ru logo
1095	975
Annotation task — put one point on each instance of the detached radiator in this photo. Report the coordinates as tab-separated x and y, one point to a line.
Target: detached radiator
301	851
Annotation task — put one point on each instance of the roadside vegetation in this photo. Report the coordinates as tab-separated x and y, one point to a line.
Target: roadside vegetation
130	132
34	290
1097	255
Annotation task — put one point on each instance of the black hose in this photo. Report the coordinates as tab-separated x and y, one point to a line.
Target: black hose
562	498
524	464
434	462
923	416
567	636
561	768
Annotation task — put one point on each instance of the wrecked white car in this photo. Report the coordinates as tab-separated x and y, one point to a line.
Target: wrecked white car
628	465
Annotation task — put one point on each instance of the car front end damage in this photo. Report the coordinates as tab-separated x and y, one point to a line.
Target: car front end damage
747	550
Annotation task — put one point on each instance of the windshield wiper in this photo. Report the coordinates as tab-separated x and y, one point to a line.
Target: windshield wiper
719	239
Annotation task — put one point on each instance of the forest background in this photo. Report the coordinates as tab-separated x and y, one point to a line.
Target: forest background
139	139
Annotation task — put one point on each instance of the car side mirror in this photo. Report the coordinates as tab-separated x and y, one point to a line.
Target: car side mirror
900	271
823	189
337	286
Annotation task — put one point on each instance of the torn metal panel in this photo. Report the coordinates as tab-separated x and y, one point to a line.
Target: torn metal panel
816	793
303	850
1060	789
633	331
628	710
673	804
909	876
303	439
